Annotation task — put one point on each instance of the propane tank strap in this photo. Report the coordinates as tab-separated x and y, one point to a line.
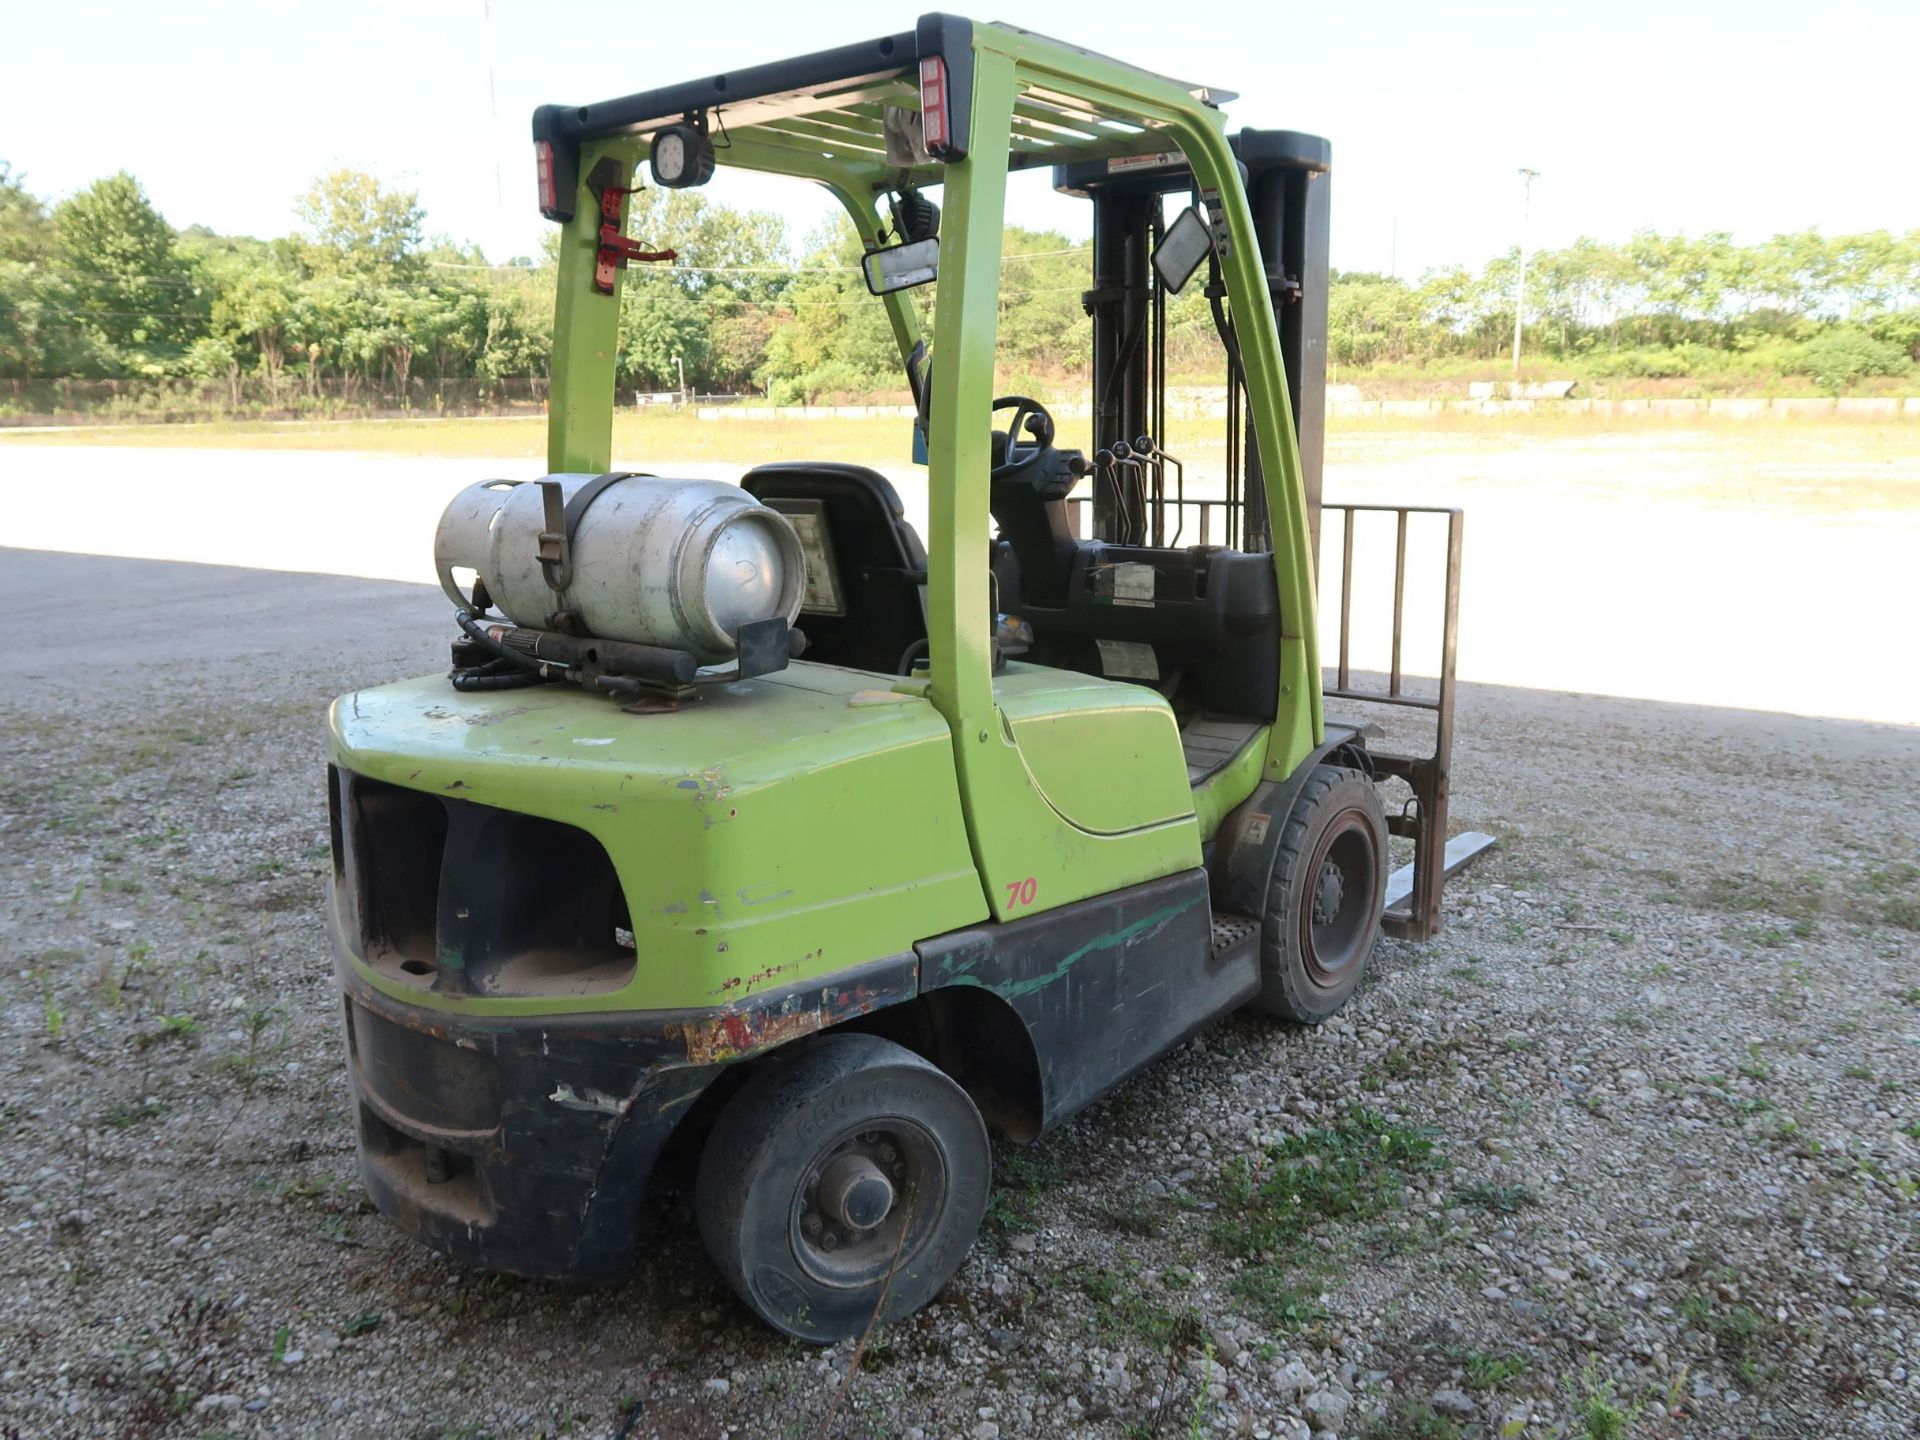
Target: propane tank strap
556	550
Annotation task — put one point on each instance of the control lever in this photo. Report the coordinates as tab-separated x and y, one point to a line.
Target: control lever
1144	451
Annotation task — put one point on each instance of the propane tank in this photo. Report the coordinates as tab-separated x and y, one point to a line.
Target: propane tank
681	564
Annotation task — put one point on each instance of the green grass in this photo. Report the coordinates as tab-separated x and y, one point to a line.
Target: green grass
1798	896
1734	1328
1020	1178
1411	1420
1501	1199
1276	1301
1354	1170
1128	1308
1490	1372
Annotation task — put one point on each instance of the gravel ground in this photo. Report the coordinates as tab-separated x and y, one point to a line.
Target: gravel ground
1631	1150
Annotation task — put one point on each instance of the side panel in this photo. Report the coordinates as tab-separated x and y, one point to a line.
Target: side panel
1106	756
1104	986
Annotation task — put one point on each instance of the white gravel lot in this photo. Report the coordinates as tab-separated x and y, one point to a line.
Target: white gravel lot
1641	1130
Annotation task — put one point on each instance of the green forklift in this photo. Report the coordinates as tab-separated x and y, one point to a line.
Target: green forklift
750	838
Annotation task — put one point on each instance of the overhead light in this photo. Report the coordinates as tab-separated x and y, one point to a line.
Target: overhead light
682	156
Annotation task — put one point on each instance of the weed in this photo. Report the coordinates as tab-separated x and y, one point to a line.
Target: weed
1202	1401
1858	1072
1795	896
1886	879
246	1064
1019	1177
1350	1171
360	1325
1911	1129
1902	911
1127	1308
1276	1302
1411	1420
121	1115
1490	1372
190	1351
52	1012
1598	1412
1502	1199
1132	1216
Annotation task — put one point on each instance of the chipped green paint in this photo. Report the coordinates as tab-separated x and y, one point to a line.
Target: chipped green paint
766	828
954	972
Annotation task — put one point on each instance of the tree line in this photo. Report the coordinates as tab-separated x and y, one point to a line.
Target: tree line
1837	309
359	306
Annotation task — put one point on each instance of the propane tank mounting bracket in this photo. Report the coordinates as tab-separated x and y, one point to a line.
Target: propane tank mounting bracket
554	547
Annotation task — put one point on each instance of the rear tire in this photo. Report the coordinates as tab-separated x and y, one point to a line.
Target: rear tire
1324	900
850	1177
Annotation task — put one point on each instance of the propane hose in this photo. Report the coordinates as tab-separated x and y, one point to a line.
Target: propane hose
511	669
508	670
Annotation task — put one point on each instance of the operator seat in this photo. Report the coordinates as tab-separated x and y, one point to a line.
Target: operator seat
873	605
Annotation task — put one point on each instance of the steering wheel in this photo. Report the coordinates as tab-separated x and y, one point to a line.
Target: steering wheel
1032	416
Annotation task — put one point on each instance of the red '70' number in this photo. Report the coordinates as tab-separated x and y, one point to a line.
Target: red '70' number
1021	892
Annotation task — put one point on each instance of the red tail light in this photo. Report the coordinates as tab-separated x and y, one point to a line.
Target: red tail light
543	168
935	127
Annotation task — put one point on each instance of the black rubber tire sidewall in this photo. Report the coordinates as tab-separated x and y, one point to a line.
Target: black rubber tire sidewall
1287	989
775	1126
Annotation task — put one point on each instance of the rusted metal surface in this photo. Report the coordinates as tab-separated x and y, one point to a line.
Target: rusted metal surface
751	1026
1424	820
526	1144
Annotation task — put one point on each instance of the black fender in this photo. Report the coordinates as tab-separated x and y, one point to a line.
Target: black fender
1244	850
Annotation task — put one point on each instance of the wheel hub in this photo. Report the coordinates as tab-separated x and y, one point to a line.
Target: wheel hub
1329	894
854	1191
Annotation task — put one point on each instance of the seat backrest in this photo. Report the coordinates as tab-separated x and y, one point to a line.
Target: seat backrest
871	608
1205	616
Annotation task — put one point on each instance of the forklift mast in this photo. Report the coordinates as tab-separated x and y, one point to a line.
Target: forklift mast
1288	177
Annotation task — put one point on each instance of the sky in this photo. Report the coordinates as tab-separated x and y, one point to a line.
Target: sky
1749	116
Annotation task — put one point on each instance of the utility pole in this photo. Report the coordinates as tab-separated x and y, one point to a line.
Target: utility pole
1527	177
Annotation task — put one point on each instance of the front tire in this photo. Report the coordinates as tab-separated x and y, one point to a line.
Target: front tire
1324	900
842	1185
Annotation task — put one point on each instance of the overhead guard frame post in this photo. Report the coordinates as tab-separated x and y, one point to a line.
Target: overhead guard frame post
1065	77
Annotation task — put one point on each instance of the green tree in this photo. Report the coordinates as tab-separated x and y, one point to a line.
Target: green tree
357	227
26	234
128	282
253	305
